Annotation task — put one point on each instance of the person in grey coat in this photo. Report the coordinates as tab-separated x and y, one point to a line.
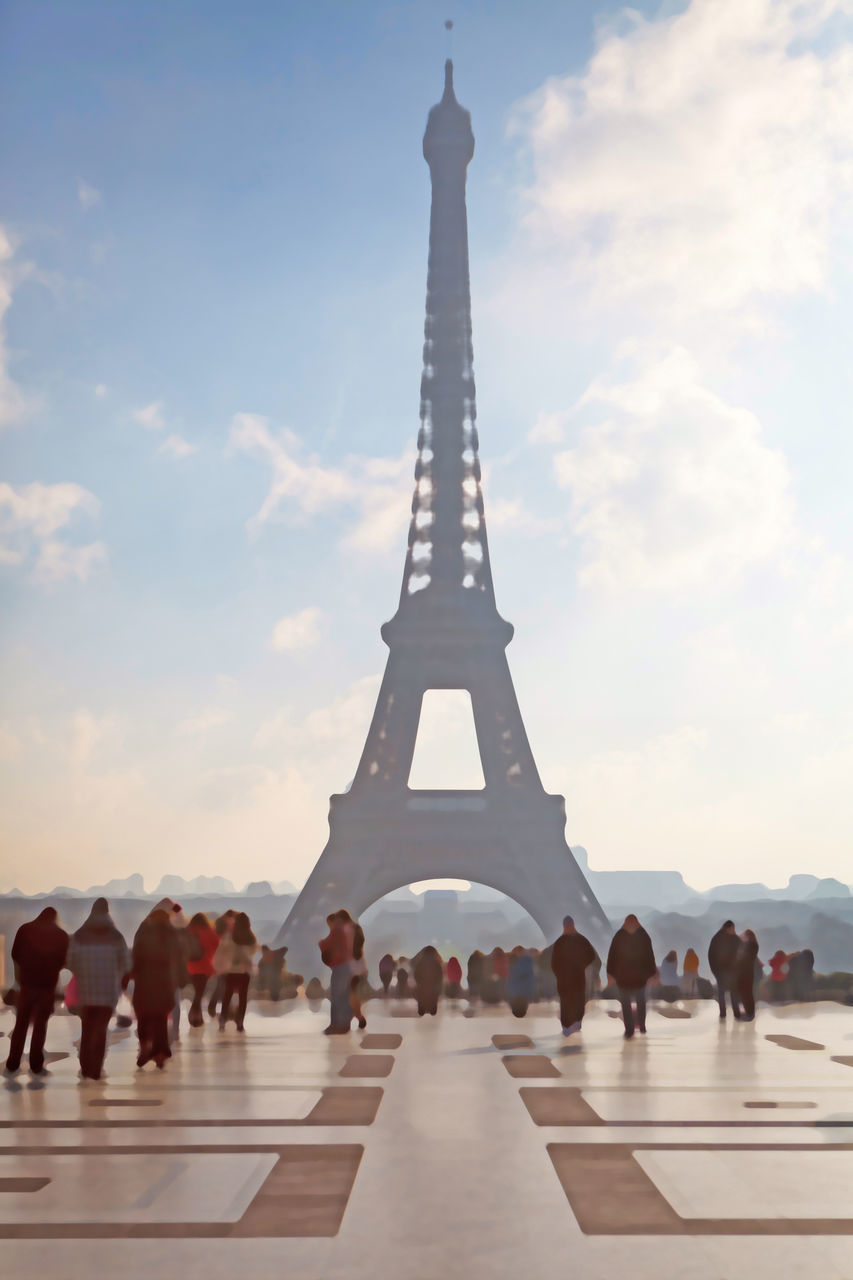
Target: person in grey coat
100	961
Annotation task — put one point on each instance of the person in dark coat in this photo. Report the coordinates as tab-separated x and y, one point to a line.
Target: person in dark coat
744	974
801	974
476	967
386	971
99	959
157	963
630	965
38	953
722	960
429	979
571	955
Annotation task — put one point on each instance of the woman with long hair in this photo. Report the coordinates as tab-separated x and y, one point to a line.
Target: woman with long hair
234	959
745	974
157	963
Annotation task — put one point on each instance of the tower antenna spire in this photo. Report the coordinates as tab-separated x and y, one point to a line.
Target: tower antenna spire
448	26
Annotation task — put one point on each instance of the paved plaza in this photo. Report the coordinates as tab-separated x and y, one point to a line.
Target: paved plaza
463	1145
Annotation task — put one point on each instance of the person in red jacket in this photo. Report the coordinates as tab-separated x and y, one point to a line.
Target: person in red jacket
203	941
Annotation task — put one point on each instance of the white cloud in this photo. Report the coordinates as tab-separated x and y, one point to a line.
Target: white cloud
32	514
88	195
297	631
201	723
674	487
701	161
177	447
14	405
100	390
343	724
513	514
378	489
151	417
550	428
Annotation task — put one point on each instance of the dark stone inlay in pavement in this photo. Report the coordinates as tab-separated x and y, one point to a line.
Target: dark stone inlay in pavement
559	1106
367	1065
588	1175
512	1042
530	1065
795	1042
376	1040
126	1102
23	1184
770	1105
675	1013
845	1059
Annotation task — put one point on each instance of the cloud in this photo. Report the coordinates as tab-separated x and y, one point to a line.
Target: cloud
342	725
88	195
177	447
297	631
377	489
701	161
201	723
672	487
512	514
100	390
151	417
30	517
14	404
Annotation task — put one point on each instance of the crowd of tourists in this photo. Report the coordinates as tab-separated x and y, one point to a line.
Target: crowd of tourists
219	959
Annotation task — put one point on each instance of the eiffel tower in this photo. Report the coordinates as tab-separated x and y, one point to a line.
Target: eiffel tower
446	634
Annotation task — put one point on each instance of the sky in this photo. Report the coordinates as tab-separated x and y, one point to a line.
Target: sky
213	239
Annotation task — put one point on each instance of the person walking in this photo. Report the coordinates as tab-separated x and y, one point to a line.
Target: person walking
745	974
630	965
429	979
202	944
235	959
38	953
157	962
475	973
722	959
99	960
336	952
453	978
690	976
571	955
223	926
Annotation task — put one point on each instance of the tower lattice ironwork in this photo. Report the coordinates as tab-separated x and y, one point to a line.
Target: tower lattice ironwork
446	634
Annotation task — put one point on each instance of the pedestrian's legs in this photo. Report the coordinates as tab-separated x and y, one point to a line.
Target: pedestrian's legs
195	1016
627	1011
735	998
231	988
216	997
42	1010
640	997
99	1021
721	993
746	991
27	1000
241	985
341	1011
176	1017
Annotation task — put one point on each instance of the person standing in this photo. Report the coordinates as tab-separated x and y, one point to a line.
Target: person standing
521	983
223	926
99	959
745	974
722	959
203	941
336	952
630	965
571	955
38	953
240	948
386	971
453	978
358	988
690	976
157	961
429	978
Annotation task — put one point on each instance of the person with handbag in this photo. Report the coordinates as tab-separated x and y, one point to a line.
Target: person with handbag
38	953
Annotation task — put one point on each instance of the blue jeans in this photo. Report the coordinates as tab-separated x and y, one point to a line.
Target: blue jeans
341	1013
627	998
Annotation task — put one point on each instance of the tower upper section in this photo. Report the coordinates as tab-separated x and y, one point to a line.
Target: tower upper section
447	571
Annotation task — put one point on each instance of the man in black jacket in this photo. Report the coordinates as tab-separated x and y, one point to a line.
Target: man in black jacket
722	960
630	964
570	956
39	952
